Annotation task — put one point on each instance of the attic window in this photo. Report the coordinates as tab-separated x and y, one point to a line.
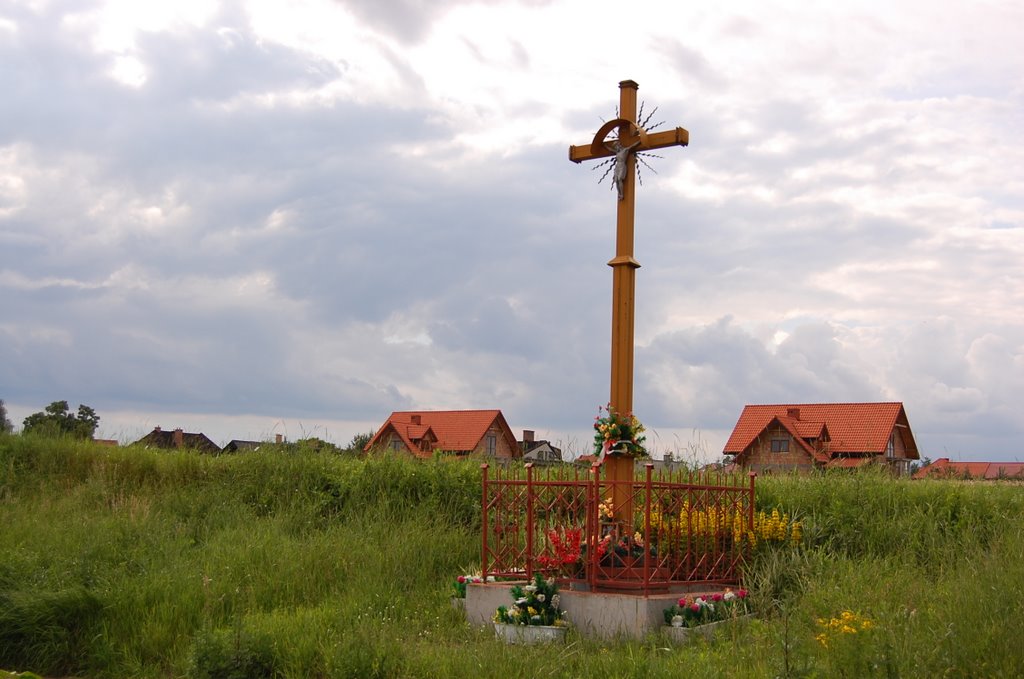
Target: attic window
492	445
890	448
780	445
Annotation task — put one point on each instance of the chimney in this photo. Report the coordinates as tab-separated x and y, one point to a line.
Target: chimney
416	419
278	438
178	438
528	435
156	429
793	413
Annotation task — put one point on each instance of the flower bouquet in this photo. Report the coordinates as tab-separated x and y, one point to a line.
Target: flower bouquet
618	434
702	610
705	613
535	615
459	586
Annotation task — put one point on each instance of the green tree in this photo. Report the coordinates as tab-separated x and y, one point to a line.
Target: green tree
5	424
358	442
56	420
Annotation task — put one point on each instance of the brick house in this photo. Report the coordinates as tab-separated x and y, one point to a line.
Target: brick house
483	433
822	435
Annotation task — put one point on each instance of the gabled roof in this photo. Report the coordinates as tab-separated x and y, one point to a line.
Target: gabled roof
456	431
795	431
159	438
850	427
234	445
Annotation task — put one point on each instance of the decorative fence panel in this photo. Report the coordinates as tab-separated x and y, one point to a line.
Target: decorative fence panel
676	528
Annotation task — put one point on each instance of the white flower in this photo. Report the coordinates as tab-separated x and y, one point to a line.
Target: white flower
556	599
530	588
520	601
540	598
729	596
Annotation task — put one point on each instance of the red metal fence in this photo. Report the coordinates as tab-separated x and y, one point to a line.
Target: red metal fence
676	528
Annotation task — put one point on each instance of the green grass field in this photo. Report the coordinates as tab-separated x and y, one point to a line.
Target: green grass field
132	563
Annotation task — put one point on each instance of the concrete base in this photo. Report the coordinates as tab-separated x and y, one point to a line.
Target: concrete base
597	614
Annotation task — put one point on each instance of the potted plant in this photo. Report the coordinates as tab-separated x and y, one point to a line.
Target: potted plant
705	614
535	615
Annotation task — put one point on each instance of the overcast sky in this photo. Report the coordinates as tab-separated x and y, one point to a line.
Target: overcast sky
257	217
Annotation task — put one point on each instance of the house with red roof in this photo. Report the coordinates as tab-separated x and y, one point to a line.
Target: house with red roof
484	433
810	436
943	468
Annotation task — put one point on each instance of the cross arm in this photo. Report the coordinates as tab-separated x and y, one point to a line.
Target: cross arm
654	140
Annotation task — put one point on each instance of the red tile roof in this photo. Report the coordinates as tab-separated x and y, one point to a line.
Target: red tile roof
944	468
457	431
852	427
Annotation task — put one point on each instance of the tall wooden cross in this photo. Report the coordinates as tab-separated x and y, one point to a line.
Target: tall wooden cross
631	140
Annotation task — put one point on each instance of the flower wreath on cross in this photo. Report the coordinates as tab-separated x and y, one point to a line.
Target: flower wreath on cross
618	434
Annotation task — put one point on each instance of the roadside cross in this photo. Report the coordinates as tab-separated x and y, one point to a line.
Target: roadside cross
631	140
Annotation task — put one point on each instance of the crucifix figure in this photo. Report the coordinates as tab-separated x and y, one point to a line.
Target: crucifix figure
632	139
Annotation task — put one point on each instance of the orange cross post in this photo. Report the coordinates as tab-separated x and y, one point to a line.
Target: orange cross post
631	140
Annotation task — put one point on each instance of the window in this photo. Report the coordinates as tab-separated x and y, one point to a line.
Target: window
890	448
396	444
780	445
492	445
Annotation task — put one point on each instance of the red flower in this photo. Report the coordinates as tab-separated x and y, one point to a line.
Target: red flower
682	602
716	597
462	579
695	607
742	594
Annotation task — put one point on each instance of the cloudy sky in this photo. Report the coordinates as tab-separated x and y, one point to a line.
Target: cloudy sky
258	217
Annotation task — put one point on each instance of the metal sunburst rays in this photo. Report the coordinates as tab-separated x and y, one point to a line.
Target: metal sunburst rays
642	156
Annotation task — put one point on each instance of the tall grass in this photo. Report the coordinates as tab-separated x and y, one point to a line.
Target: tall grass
128	562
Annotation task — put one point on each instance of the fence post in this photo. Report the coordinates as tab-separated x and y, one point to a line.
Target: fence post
529	521
647	529
483	522
750	520
593	525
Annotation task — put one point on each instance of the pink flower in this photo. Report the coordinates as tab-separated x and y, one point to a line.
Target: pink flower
742	594
716	597
462	579
695	607
682	602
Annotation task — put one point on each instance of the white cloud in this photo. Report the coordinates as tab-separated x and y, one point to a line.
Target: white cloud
330	210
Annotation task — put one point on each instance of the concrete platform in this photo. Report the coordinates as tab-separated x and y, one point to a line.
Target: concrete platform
599	614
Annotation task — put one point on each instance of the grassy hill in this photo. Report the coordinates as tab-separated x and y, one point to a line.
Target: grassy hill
134	563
